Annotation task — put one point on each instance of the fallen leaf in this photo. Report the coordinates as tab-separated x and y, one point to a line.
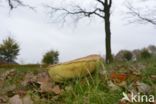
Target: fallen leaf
134	77
3	99
27	100
45	82
118	77
15	100
153	77
1	83
7	74
43	77
122	84
112	86
21	92
142	87
56	89
9	90
29	78
132	88
46	87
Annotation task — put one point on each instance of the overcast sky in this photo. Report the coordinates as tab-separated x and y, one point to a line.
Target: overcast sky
36	34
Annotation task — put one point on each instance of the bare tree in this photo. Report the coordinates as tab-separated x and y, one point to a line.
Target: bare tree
141	15
102	10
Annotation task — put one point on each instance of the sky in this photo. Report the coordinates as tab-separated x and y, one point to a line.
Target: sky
37	34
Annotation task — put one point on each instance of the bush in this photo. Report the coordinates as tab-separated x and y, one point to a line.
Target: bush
145	54
51	57
152	49
9	50
124	55
128	55
136	54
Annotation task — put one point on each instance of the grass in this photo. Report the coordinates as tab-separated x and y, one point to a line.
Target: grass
86	90
90	92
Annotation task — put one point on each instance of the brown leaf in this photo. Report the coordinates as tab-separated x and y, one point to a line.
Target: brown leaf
1	83
3	99
134	77
21	92
7	74
15	100
153	77
45	87
29	77
27	100
43	77
9	90
56	89
44	80
143	88
122	84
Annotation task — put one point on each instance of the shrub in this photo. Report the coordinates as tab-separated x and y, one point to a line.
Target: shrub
124	55
51	57
152	49
128	55
136	54
145	54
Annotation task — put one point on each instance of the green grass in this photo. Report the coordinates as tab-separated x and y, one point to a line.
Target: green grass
90	92
87	90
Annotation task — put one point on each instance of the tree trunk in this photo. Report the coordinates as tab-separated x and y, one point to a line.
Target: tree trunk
109	57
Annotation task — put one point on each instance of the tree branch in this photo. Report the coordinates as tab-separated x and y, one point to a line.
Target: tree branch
78	11
12	5
100	1
110	3
135	13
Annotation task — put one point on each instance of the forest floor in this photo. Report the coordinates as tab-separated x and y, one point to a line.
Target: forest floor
30	84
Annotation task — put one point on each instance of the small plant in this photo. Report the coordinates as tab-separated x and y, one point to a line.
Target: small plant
145	54
51	57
